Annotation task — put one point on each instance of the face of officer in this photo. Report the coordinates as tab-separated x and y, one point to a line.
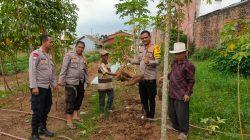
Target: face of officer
47	43
145	38
79	48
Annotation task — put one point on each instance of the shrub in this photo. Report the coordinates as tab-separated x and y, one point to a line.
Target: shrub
21	65
93	56
203	54
234	48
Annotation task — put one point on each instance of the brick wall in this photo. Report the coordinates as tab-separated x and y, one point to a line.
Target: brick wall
207	27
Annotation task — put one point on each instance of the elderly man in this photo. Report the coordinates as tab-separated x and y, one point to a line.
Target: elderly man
41	77
73	75
181	82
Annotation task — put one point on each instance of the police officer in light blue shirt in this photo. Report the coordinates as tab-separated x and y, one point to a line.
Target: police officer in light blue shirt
73	76
41	78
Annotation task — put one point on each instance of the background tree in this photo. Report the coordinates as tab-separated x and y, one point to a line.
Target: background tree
22	22
136	11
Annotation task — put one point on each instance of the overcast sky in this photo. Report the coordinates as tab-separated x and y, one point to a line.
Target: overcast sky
98	17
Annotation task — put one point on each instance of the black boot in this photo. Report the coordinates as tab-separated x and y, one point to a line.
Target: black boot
35	137
46	132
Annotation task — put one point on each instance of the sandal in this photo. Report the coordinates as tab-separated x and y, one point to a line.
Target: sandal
71	126
78	119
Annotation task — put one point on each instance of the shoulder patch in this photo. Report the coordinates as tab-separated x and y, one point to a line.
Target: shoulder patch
157	51
35	53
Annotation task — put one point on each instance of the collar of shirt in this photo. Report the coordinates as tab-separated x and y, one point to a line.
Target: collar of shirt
146	48
40	49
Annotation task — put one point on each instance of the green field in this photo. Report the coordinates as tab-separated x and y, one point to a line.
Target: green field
215	95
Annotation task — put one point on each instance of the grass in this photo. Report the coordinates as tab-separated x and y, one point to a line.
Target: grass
90	123
23	88
215	95
4	94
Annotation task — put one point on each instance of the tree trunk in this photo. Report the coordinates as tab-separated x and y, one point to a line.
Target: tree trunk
178	23
3	74
165	79
238	104
188	29
6	86
134	38
14	61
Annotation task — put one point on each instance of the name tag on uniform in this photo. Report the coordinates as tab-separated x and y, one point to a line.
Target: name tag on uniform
43	61
73	60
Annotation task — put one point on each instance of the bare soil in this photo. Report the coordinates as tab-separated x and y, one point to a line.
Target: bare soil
124	123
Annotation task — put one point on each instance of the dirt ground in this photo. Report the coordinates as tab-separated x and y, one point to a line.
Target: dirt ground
124	123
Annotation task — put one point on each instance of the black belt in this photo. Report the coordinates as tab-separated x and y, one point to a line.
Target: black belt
149	80
81	81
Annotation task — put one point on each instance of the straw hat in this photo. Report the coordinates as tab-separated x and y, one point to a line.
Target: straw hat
103	52
179	47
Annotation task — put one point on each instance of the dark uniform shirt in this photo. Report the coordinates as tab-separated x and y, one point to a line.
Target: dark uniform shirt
181	79
74	69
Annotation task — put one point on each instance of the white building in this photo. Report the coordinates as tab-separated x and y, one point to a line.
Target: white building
205	8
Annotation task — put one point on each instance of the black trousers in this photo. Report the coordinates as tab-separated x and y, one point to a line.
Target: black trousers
109	104
74	97
178	111
40	105
147	90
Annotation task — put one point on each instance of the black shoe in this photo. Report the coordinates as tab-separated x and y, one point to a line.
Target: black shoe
46	132
35	137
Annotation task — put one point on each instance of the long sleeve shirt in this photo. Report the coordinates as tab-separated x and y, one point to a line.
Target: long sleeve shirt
73	70
149	70
181	79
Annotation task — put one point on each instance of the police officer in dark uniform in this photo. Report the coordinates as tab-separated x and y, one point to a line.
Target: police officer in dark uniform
42	78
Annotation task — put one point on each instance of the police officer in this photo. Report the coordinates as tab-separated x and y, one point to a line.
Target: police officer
73	75
148	60
42	78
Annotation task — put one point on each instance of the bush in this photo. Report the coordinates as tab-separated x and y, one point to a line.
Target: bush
21	65
191	49
234	48
93	56
203	54
174	37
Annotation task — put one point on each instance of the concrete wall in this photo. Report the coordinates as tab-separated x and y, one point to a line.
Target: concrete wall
207	27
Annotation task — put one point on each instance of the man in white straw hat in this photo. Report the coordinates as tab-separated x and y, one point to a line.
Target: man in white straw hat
181	82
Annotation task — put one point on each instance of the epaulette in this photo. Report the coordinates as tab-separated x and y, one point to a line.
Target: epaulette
157	52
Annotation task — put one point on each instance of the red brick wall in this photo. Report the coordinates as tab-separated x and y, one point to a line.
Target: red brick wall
207	27
189	18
